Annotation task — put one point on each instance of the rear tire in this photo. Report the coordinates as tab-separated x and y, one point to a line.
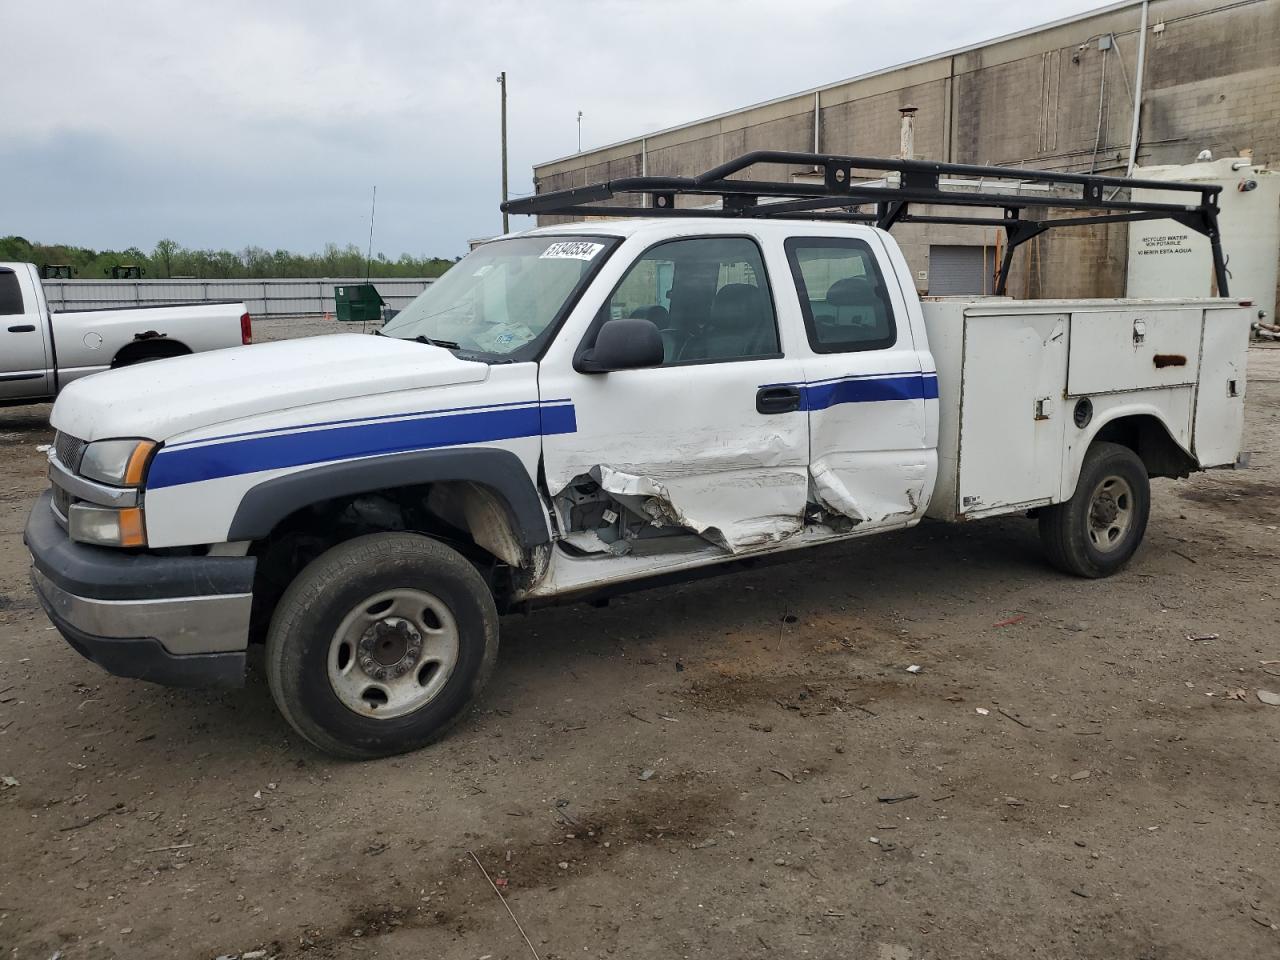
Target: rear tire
1099	529
380	645
148	350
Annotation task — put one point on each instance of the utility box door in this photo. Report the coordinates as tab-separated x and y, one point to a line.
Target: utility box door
1219	424
1012	416
1133	349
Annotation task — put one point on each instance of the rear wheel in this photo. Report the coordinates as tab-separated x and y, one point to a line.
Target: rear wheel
145	351
1098	530
380	645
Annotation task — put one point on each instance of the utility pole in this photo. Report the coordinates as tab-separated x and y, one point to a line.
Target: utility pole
502	81
579	131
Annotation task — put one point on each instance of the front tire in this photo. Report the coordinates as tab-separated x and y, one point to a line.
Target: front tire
1099	529
380	645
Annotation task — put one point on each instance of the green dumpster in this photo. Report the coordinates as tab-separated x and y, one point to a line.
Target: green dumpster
358	303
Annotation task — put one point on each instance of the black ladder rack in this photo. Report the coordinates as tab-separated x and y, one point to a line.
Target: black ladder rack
844	190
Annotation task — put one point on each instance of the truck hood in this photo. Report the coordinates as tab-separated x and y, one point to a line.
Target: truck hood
162	399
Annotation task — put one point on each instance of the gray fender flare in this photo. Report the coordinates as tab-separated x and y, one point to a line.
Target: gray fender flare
266	504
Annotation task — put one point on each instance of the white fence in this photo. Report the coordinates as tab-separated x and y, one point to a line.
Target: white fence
264	298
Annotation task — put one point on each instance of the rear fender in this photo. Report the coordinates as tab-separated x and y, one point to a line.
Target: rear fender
1155	424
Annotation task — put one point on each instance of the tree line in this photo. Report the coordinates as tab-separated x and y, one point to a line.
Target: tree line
170	259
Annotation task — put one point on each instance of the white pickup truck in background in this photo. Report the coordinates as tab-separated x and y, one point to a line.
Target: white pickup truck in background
592	407
41	352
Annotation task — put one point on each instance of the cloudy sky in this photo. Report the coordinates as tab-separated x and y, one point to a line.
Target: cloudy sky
267	123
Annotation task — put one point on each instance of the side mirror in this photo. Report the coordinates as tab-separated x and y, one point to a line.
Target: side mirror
624	344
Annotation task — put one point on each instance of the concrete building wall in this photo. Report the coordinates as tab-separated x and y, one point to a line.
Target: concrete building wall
1048	98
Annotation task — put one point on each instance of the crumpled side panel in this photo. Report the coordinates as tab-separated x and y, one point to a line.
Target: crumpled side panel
734	510
879	495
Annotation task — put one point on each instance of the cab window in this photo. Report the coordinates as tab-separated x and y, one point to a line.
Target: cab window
708	296
10	294
842	294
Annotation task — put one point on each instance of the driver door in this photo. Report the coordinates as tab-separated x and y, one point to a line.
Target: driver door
713	442
26	368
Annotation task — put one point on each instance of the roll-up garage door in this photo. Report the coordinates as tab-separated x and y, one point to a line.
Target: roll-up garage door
955	269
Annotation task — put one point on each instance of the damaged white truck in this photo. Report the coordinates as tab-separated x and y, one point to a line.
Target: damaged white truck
592	407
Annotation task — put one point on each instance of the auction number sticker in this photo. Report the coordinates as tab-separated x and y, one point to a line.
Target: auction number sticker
571	250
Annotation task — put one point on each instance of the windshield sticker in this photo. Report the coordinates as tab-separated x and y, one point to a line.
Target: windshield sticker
571	250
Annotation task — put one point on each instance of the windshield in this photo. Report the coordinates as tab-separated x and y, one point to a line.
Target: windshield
504	298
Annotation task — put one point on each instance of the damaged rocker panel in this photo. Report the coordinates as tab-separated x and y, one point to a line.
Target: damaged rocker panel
608	512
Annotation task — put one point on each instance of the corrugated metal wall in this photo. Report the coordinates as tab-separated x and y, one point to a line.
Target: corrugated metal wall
264	298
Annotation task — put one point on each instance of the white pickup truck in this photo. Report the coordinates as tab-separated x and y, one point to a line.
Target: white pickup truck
41	352
587	408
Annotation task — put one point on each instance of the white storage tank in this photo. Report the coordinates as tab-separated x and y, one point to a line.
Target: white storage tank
1169	260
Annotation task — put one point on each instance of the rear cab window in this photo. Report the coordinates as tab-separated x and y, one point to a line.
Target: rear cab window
10	294
843	297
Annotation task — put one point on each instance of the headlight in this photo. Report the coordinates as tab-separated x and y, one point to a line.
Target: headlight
121	463
106	526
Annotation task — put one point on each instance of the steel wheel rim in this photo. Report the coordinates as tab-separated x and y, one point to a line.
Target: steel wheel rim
393	653
1111	514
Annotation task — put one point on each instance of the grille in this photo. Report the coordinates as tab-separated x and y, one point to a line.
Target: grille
68	450
61	505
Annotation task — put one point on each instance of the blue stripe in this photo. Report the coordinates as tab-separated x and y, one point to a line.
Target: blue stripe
864	388
173	466
820	396
559	419
251	452
389	416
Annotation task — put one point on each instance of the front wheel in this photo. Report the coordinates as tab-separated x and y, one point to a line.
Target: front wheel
1098	530
380	645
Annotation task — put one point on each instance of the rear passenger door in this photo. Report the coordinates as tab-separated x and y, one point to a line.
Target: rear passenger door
866	384
700	443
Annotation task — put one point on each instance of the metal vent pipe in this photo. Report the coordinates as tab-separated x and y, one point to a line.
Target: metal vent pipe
907	147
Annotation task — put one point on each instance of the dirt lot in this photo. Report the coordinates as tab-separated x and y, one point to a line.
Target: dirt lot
707	770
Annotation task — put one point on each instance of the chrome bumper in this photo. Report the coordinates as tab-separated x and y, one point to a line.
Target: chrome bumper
182	625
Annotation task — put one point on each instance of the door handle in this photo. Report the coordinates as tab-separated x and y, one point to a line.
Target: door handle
777	399
23	328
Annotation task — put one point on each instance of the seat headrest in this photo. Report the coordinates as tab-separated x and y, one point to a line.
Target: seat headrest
852	292
656	313
733	300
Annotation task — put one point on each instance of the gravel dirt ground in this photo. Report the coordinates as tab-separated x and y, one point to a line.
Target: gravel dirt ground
738	768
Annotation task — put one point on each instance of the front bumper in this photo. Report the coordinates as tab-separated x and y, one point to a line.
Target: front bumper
181	621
